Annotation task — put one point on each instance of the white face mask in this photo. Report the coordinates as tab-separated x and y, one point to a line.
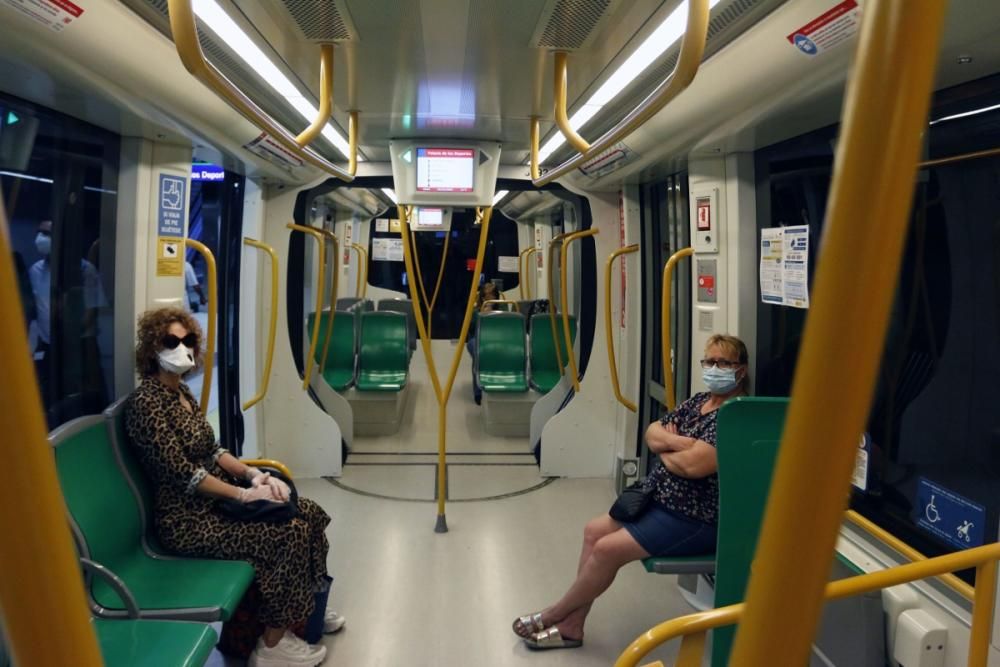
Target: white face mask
43	244
178	361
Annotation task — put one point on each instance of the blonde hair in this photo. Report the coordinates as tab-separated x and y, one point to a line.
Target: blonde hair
732	346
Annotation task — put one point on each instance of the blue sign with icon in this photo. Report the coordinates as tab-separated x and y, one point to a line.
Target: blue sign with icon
170	205
948	516
805	45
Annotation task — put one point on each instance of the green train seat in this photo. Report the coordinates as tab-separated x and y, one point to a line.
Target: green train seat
501	353
749	431
404	306
545	373
384	357
106	499
145	643
340	359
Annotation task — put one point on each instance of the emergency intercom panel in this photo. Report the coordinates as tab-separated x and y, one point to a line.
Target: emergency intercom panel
705	217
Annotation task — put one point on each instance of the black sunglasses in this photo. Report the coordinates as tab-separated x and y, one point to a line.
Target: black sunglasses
171	341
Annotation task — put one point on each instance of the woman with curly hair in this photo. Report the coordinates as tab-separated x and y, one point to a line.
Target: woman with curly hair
189	471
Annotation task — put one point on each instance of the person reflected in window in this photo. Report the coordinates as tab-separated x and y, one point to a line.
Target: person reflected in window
683	512
189	472
195	294
487	292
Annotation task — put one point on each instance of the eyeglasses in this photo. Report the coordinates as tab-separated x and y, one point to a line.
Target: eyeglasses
171	341
724	364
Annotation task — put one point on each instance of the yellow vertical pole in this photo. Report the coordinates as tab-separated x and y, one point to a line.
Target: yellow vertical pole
563	289
885	114
362	281
668	367
334	283
437	285
213	315
41	588
552	297
982	614
608	329
272	325
320	287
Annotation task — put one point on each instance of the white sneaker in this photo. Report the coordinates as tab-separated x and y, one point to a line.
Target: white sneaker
333	622
290	651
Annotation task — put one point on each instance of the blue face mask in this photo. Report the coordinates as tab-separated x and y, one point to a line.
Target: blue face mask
719	380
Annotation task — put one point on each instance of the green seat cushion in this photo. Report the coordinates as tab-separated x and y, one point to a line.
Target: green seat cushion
544	380
339	370
503	382
339	379
177	583
679	564
501	353
384	357
144	643
545	372
378	380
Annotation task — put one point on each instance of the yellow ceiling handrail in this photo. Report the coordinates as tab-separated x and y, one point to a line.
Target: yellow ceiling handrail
668	367
612	364
443	393
559	97
553	242
867	215
325	97
522	279
273	324
41	586
691	52
213	314
570	354
185	33
983	558
334	285
362	280
320	282
535	171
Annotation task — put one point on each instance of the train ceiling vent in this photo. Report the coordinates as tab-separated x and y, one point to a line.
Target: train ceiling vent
322	21
569	25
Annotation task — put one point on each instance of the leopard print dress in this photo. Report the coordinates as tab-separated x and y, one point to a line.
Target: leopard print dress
177	450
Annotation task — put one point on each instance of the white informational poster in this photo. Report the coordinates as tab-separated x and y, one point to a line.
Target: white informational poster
55	15
395	250
381	224
507	264
387	250
784	266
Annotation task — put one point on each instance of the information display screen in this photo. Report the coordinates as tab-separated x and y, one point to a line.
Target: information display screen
445	169
430	217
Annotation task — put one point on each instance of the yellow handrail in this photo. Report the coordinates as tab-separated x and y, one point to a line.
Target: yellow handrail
885	115
951	159
185	34
419	277
213	313
352	143
521	279
273	326
535	171
41	587
950	580
443	394
612	364
437	285
983	558
362	280
692	49
269	463
320	282
559	97
325	97
558	238
334	284
668	367
503	302
570	354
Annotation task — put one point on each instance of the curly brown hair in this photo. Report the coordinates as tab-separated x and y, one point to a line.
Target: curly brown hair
153	325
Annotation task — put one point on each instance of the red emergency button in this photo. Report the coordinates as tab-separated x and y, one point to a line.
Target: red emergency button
707	282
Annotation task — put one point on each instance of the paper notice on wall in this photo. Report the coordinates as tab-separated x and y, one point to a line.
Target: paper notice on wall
53	14
770	266
387	250
381	224
832	28
506	264
795	269
395	250
784	266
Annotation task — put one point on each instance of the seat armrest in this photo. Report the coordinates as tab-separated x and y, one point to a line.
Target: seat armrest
115	582
268	463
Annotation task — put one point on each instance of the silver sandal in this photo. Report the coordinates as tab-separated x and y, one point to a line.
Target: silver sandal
551	638
530	624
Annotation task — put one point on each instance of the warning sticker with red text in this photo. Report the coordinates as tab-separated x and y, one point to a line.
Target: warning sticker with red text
832	28
54	14
269	149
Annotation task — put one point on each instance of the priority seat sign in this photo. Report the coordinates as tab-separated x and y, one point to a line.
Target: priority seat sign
832	28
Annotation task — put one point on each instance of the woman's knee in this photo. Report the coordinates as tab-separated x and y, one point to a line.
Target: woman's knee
612	550
597	528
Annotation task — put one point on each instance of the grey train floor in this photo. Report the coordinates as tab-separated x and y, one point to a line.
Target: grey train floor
414	598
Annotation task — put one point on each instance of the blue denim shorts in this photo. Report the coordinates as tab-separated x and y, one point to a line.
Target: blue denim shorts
664	533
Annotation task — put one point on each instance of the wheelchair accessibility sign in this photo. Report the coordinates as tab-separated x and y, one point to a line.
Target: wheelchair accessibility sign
948	516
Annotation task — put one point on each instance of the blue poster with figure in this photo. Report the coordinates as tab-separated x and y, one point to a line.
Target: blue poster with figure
948	516
170	205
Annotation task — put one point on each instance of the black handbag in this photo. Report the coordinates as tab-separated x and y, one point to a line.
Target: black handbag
263	510
632	503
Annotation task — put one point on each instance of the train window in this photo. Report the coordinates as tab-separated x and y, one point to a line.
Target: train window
933	423
58	181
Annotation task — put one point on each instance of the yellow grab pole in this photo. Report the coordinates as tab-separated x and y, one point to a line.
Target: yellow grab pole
334	283
564	293
668	367
443	393
612	364
419	277
982	614
213	313
362	280
320	282
524	287
41	587
437	285
559	95
352	142
558	238
325	97
272	327
535	171
885	115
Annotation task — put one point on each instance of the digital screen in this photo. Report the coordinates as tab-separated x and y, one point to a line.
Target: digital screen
430	217
207	172
445	169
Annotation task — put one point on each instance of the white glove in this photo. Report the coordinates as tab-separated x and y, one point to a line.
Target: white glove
280	489
262	492
253	475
